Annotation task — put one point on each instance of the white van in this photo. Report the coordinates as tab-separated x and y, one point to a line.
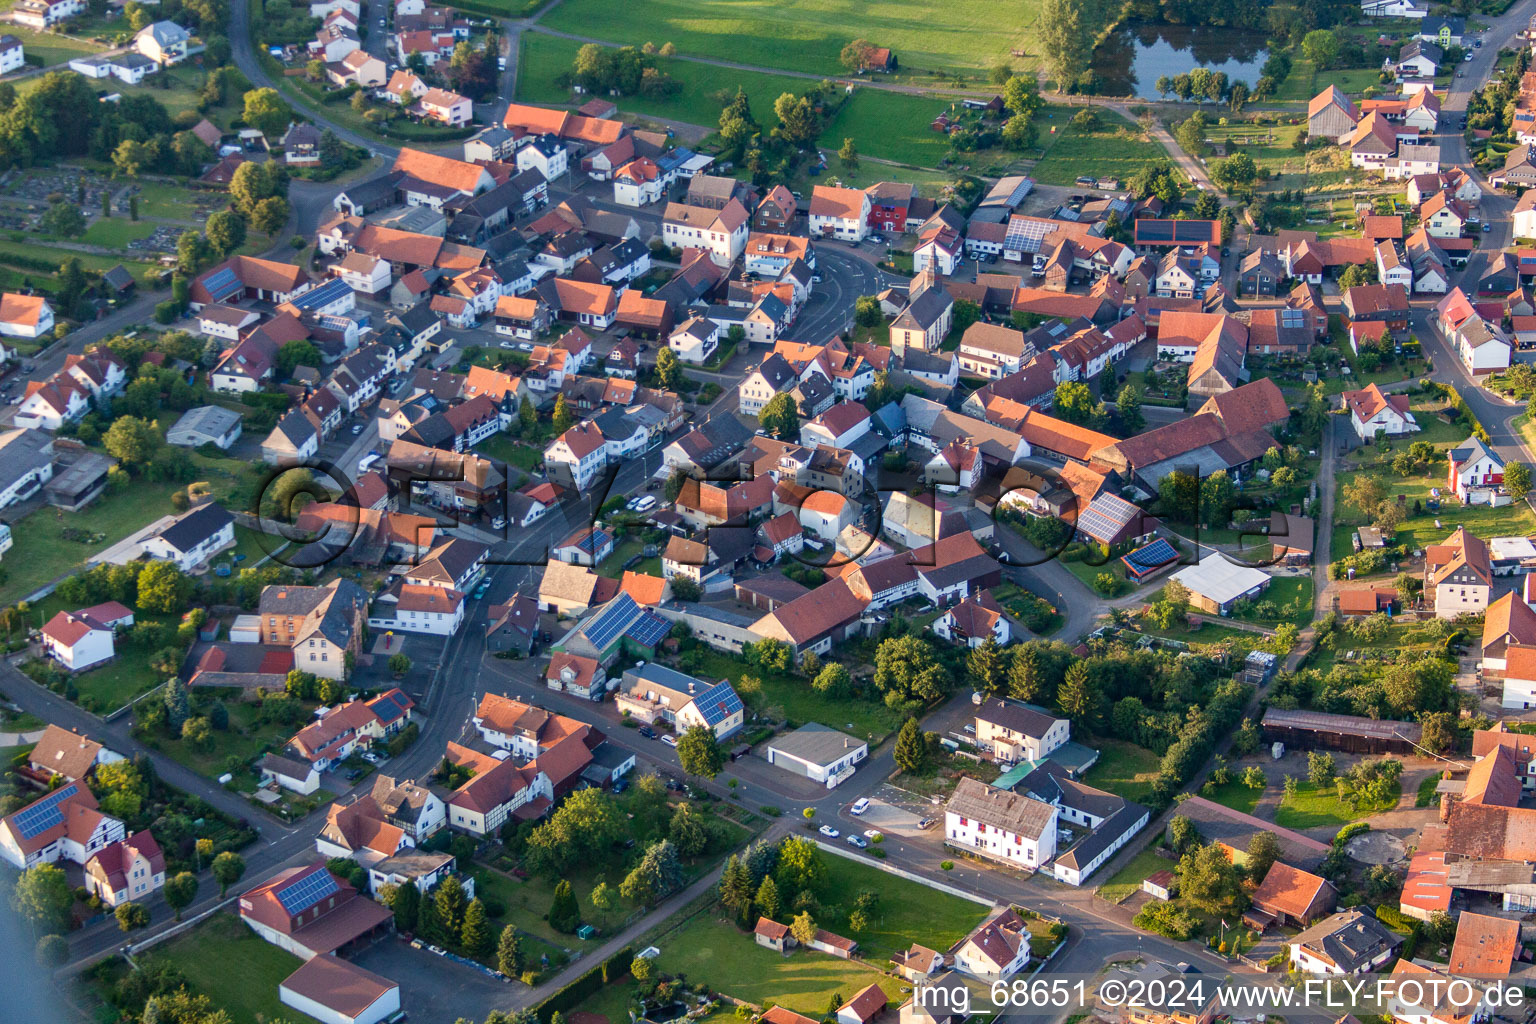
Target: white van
368	461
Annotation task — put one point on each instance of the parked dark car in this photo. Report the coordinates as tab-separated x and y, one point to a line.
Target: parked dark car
647	732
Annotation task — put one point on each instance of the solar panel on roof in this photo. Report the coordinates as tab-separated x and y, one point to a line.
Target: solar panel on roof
718	703
649	629
1153	556
44	814
222	283
1292	318
1106	517
306	892
612	622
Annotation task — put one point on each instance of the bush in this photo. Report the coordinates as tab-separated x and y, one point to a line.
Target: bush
1166	920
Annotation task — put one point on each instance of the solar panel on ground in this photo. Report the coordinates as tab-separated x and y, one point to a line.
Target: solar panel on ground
612	622
44	814
649	629
306	892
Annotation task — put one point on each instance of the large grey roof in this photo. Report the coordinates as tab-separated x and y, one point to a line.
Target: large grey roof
1014	812
816	743
21	452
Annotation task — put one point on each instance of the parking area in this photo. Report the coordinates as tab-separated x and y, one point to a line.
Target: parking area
434	988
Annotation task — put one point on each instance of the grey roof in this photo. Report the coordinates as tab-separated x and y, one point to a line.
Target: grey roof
776	371
1351	939
1054	784
21	452
1021	718
196	526
287	767
165	33
1013	812
201	425
1129	817
815	743
412	863
926	310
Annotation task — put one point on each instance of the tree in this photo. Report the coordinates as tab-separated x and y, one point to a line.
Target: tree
564	913
177	706
799	124
698	751
477	939
407	908
1182	834
1128	405
767	899
1066	39
779	418
1209	880
1439	731
1075	403
63	220
867	312
833	681
737	125
803	928
1191	135
856	55
984	663
42	897
849	154
1218	494
299	352
180	891
640	969
1254	777
562	417
601	896
908	672
669	369
226	231
1365	492
510	959
658	875
910	752
1320	768
1263	851
163	588
197	733
1517	479
1235	172
686	832
450	901
52	951
266	112
527	415
1078	696
131	916
735	886
270	215
132	440
1321	47
227	868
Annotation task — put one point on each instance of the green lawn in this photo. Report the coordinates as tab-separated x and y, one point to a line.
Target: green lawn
1349	80
117	232
890	125
43	553
206	954
908	911
118	682
1116	149
1124	769
53	48
717	953
610	1002
544	57
1426	795
1235	795
792	697
513	453
88	261
1287	592
1128	879
807	35
1315	806
1418	531
246	738
1268	145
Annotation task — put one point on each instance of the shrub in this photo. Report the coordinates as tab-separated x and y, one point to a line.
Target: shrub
1167	920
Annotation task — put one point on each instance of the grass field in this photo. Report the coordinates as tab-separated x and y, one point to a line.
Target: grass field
54	49
890	125
544	57
1315	806
1129	878
118	682
205	955
245	738
1117	149
1124	769
116	232
1286	592
503	447
792	697
1426	794
722	956
46	554
807	35
1235	795
908	912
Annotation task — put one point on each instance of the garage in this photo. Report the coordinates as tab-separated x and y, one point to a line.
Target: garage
817	753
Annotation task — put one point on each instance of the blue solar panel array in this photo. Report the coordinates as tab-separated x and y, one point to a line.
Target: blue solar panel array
221	284
611	624
649	629
323	294
1154	556
718	703
306	892
46	813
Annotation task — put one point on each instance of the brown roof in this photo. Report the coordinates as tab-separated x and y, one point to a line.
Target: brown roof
1370	400
1510	617
440	170
1484	831
20	309
64	753
771	929
805	618
113	861
1492	780
643	587
585	297
338	985
845	203
1485	946
867	1004
1287	890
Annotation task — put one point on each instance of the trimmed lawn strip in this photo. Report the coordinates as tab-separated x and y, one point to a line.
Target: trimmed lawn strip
1128	879
726	958
1124	769
1426	795
1316	806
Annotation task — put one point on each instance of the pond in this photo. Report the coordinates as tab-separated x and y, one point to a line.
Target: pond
1130	60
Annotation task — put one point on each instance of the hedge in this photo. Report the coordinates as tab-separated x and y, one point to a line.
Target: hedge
577	991
1460	404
